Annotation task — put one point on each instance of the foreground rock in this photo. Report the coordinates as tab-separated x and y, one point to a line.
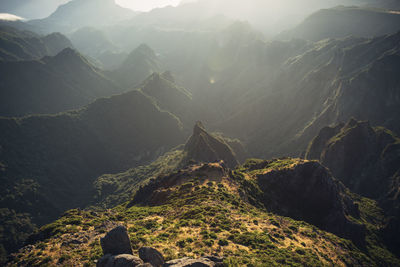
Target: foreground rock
122	260
116	242
151	256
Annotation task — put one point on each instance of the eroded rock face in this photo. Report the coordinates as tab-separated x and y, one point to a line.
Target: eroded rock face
116	242
151	256
309	192
122	260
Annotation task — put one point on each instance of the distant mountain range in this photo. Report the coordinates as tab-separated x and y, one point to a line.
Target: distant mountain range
25	45
51	84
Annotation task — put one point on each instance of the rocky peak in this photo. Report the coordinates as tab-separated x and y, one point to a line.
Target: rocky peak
306	190
204	147
358	155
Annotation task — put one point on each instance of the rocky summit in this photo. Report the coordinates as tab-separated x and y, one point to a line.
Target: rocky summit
204	147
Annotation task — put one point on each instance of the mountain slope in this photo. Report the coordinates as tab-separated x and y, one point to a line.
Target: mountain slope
331	81
53	84
49	162
342	21
25	45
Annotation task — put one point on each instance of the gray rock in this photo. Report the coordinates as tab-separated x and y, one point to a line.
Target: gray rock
122	260
187	262
116	242
152	256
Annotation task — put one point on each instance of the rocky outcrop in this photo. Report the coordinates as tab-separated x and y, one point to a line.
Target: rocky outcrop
308	191
115	242
203	147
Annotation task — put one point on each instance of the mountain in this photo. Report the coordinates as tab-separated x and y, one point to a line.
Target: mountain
95	44
76	14
315	85
138	65
30	9
49	162
176	99
340	21
208	209
51	84
25	45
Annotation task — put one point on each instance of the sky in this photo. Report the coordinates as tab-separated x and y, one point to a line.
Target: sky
146	5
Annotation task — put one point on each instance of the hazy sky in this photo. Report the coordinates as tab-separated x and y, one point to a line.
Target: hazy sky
146	5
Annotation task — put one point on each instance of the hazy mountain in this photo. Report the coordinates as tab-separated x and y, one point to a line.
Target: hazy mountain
95	44
338	22
30	9
25	45
138	65
83	13
50	85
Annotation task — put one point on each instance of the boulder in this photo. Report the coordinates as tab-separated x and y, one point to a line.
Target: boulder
122	260
152	256
116	242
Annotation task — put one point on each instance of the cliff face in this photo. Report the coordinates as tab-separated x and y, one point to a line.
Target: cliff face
362	157
307	191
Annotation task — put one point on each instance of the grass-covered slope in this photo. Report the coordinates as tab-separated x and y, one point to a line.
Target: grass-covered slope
208	209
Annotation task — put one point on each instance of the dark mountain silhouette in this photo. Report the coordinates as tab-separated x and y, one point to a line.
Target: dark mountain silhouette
52	84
